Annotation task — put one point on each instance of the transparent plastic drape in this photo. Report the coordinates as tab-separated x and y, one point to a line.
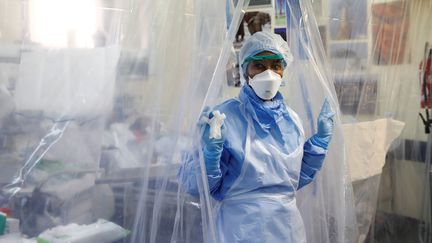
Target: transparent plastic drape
379	62
209	51
327	204
99	103
186	71
101	110
57	85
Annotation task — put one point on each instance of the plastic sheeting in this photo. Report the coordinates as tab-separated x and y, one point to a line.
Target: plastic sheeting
98	109
377	57
326	205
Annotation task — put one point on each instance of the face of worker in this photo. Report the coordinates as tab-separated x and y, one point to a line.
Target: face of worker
257	67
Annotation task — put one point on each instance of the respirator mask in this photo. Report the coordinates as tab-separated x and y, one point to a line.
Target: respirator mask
266	84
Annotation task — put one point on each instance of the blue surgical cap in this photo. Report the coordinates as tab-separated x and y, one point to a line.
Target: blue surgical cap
264	41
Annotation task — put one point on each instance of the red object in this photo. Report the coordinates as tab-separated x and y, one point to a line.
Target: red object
6	211
426	82
138	135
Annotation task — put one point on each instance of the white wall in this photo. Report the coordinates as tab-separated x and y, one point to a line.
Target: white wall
10	21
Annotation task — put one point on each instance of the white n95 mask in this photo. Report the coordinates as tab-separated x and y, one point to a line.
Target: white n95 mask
266	84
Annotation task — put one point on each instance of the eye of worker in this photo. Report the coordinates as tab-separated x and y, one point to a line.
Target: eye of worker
263	61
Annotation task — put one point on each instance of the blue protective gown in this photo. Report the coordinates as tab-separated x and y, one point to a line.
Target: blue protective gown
265	160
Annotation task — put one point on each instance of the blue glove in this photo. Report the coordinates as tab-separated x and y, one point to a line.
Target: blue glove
325	126
212	148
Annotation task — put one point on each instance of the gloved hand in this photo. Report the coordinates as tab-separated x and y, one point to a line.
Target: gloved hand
212	146
325	126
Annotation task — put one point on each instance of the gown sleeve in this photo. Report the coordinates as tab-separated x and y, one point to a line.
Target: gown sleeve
187	174
312	161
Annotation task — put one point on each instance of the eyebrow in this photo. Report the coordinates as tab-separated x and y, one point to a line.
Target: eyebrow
277	62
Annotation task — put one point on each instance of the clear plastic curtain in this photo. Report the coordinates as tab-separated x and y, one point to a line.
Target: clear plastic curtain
97	111
377	55
327	204
188	45
167	213
57	84
100	111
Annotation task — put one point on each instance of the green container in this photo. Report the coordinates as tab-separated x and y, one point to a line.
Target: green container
3	217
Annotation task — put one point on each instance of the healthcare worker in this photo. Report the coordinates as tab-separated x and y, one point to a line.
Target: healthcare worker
262	158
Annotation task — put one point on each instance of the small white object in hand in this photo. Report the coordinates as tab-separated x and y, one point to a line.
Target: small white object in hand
215	124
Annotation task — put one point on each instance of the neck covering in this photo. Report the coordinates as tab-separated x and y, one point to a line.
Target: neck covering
265	113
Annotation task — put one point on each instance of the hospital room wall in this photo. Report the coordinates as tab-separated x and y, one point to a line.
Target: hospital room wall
10	39
10	18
